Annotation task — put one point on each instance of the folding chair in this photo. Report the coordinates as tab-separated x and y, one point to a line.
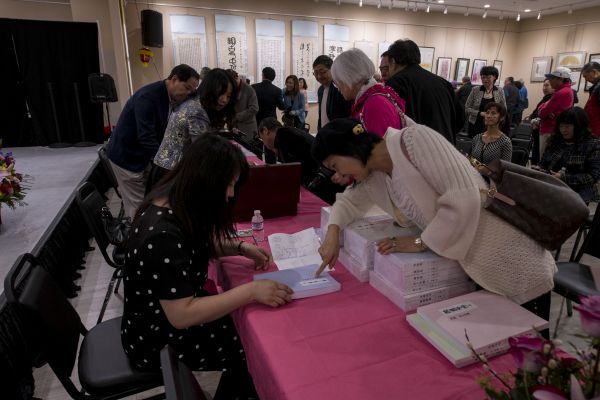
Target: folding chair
103	367
180	382
575	279
90	203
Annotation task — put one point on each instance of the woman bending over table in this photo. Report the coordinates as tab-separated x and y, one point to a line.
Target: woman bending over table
420	173
184	222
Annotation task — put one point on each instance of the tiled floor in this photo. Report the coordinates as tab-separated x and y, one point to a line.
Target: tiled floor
94	284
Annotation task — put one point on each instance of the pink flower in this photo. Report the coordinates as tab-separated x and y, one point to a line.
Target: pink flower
589	311
527	352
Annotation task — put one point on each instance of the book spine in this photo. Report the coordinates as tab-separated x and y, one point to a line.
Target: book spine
416	300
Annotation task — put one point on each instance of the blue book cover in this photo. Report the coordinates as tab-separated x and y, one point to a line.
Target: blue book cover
303	282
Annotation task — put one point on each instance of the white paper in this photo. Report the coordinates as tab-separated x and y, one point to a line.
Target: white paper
295	250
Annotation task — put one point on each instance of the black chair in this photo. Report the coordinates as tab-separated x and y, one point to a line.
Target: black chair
110	175
180	382
463	143
523	131
575	279
103	367
90	203
519	156
582	232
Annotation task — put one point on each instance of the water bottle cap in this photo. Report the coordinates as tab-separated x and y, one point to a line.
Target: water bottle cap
256	212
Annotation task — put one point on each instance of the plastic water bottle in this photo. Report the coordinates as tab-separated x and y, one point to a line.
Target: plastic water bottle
258	226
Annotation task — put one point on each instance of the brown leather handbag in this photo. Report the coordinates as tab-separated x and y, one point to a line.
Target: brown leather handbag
538	204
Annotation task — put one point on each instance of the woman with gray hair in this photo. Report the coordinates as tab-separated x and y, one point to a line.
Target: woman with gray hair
378	107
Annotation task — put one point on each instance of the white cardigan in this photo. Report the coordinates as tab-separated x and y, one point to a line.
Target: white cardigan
438	189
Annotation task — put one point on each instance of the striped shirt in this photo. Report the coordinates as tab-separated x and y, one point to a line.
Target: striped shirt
486	153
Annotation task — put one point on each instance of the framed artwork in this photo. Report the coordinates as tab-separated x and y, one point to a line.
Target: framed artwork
462	68
575	79
477	65
427	58
571	59
593	57
498	66
443	67
540	67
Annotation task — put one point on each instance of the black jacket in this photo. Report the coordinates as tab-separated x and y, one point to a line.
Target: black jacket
430	100
463	93
269	97
337	106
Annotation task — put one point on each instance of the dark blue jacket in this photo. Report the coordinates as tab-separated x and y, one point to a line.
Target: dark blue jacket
140	128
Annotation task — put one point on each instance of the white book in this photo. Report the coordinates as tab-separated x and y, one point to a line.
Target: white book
374	214
361	236
487	318
415	272
295	250
360	271
303	282
412	301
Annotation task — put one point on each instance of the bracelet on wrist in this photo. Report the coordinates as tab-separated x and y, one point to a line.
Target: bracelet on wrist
239	248
419	243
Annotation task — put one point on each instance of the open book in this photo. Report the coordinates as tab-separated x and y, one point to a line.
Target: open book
303	282
295	250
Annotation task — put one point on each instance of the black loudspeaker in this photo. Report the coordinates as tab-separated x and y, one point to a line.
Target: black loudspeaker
152	28
102	88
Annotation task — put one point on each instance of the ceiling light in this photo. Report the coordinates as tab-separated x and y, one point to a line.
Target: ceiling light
440	1
467	12
484	14
501	17
486	6
539	15
360	3
379	4
427	9
518	17
527	10
446	10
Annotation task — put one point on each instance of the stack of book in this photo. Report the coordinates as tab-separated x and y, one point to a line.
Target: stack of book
360	243
374	214
488	320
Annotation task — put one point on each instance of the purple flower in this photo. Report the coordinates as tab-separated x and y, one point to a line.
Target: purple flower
589	311
528	352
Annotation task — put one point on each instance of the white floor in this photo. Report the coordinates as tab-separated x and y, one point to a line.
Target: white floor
94	283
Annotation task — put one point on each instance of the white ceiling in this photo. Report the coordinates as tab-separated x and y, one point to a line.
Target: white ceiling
506	8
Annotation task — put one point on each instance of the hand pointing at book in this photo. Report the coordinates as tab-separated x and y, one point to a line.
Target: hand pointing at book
330	249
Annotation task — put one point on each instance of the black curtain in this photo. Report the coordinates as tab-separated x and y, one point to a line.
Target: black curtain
44	61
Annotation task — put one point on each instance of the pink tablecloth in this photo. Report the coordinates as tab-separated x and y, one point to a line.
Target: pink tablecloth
352	344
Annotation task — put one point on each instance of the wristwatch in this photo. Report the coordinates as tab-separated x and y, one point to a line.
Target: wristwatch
419	243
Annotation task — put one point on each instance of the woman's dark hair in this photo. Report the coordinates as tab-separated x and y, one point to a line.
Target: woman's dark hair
489	70
302	81
296	88
196	189
499	107
344	137
212	87
578	118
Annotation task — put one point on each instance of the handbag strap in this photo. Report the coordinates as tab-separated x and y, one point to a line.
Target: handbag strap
394	103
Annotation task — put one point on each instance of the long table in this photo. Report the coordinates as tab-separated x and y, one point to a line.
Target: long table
352	344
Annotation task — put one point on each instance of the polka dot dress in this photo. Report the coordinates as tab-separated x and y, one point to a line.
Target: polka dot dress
162	265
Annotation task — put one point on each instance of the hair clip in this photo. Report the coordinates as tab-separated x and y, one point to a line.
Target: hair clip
358	129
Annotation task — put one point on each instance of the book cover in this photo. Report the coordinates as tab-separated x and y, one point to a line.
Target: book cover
303	282
488	319
412	301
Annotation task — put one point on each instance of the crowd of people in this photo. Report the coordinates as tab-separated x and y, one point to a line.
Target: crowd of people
384	138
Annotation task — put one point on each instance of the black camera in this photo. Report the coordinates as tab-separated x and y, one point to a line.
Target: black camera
324	174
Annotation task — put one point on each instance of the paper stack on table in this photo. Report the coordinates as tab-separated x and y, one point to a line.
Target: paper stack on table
295	250
488	319
303	282
411	280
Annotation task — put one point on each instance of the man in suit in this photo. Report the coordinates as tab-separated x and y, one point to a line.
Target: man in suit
293	145
140	130
430	99
462	94
269	96
511	94
332	104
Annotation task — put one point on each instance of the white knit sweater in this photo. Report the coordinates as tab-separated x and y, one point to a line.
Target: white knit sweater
439	190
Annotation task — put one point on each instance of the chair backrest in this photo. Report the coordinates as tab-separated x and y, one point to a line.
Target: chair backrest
180	382
523	131
463	144
58	325
90	203
519	156
591	244
110	174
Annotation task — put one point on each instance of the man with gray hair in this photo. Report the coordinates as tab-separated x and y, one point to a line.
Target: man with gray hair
591	73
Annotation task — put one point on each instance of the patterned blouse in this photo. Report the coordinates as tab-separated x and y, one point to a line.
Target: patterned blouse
186	123
486	153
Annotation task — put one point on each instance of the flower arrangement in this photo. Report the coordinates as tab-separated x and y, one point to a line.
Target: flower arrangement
12	185
544	371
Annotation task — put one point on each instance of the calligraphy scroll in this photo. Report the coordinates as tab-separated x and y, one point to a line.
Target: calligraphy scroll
305	49
270	48
188	34
232	46
336	40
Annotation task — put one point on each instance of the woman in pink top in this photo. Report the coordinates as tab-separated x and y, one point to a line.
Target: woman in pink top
378	107
561	100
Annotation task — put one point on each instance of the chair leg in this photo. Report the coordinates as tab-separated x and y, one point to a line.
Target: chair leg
576	245
569	308
118	283
107	297
557	254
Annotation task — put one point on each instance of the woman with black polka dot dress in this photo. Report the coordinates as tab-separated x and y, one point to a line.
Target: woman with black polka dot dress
184	222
